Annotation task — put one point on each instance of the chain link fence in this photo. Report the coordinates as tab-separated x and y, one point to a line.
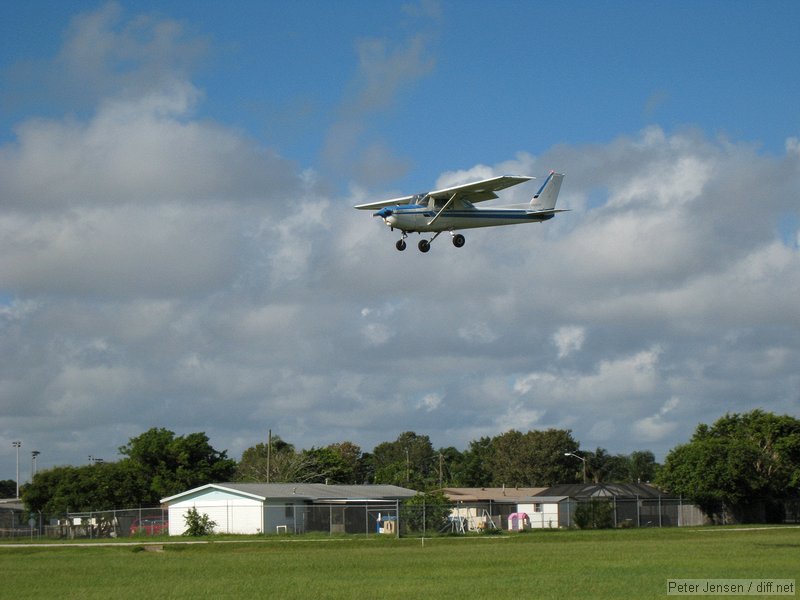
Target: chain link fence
388	518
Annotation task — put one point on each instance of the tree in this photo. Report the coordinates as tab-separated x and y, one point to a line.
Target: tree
535	458
335	463
447	468
604	467
172	464
349	464
474	469
8	488
642	466
408	461
279	463
744	463
101	486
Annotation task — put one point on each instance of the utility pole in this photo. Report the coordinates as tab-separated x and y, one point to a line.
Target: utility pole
17	445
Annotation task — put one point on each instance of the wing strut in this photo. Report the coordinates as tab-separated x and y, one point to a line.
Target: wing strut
446	205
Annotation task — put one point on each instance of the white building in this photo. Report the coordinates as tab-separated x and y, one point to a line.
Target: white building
251	508
545	512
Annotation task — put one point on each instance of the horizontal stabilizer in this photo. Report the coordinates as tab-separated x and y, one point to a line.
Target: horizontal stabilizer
551	211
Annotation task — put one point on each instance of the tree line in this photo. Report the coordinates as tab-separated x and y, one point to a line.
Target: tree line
730	463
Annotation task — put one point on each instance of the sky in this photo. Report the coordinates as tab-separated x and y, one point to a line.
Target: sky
178	246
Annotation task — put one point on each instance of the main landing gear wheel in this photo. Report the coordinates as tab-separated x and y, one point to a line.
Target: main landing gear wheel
424	245
400	245
458	240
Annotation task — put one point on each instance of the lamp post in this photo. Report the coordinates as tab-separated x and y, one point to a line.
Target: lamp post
17	445
34	455
580	458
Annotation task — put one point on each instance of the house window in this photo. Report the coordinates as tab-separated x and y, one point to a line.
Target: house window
537	508
290	511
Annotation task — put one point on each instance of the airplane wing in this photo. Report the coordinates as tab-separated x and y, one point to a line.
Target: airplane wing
392	202
477	191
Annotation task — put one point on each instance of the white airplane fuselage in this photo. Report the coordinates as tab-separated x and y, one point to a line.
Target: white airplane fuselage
417	218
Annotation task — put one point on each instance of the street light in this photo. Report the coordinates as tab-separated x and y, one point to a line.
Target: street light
17	446
34	455
580	458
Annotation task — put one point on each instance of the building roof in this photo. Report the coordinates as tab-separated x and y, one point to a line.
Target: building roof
312	492
12	504
483	494
603	490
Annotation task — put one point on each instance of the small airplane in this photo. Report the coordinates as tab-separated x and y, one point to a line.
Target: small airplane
452	209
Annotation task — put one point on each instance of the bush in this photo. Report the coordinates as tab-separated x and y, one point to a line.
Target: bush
198	525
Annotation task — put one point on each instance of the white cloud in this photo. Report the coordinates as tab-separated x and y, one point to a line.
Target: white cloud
569	339
656	427
430	402
158	268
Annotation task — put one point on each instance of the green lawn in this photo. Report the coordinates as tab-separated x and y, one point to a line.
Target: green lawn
561	564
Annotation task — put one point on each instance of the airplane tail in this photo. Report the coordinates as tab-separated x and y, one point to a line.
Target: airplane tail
545	198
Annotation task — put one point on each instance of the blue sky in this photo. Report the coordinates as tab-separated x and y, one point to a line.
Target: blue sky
178	248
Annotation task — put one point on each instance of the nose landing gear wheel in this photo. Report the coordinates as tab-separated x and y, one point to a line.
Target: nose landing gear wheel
424	245
400	245
458	240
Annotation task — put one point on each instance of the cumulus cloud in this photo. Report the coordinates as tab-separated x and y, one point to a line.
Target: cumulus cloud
161	269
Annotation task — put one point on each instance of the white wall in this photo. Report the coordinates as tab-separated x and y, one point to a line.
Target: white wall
546	517
231	515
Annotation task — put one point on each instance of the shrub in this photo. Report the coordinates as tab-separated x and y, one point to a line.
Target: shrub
198	525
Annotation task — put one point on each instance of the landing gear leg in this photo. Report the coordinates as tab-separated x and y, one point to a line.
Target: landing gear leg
425	245
401	243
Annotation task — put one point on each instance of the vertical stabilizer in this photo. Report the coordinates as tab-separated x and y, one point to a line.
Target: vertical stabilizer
545	198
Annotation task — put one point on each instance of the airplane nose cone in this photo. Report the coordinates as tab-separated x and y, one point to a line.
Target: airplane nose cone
383	213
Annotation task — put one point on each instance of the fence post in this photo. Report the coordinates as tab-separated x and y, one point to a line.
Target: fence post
424	518
615	511
397	514
659	510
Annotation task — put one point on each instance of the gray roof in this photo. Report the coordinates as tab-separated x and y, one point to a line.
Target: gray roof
313	492
549	499
603	490
496	494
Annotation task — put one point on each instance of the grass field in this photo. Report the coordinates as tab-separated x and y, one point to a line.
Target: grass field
560	564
